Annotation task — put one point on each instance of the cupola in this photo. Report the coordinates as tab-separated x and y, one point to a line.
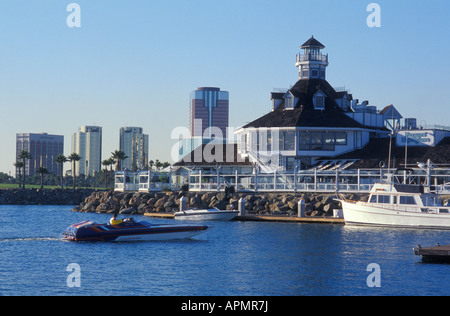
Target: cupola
312	63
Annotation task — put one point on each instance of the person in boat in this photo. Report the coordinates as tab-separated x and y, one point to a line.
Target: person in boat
115	221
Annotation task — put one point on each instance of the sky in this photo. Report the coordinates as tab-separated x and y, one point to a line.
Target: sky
135	62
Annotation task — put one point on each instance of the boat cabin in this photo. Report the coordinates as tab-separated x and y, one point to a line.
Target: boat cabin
404	195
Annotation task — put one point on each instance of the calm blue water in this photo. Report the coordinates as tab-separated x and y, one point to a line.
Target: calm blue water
234	258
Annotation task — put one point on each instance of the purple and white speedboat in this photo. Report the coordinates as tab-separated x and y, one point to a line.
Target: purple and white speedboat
130	231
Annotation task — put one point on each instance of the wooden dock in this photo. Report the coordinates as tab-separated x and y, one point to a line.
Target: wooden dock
437	253
269	218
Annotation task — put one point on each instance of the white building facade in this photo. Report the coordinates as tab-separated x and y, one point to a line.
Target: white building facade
87	143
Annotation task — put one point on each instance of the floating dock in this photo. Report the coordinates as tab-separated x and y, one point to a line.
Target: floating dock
438	253
269	218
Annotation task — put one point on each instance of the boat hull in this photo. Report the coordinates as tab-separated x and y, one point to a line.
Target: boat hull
206	215
141	231
357	213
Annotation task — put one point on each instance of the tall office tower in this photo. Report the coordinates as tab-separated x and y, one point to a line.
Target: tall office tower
44	148
134	143
209	108
88	144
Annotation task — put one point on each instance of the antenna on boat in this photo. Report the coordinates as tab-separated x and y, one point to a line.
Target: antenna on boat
427	167
390	151
406	155
391	135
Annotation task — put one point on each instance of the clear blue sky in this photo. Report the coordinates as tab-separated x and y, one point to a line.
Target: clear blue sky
135	62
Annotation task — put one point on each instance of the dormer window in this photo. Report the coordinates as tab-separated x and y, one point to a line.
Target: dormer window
289	101
319	101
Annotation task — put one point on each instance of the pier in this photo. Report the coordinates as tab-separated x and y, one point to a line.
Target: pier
268	218
438	253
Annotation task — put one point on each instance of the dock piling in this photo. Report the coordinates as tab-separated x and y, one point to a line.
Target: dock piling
241	207
301	208
182	204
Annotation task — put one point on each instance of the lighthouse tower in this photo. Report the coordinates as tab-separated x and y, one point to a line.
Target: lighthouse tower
312	63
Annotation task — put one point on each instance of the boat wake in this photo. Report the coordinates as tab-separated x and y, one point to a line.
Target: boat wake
29	239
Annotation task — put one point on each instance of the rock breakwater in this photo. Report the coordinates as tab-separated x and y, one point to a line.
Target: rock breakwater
169	202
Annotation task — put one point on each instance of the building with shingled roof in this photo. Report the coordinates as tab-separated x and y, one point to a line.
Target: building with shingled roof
310	120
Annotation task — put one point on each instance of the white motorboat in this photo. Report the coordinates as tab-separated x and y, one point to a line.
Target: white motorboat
398	205
212	214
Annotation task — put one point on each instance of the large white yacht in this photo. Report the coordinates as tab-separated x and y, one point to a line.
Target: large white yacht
399	205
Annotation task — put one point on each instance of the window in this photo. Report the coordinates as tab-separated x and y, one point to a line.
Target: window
373	199
407	200
316	141
328	141
287	140
255	141
305	72
269	141
341	138
289	101
321	140
385	199
290	163
429	201
247	143
314	73
322	73
264	141
319	101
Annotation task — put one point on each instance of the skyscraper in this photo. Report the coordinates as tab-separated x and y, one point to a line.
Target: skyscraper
134	143
88	144
44	148
209	108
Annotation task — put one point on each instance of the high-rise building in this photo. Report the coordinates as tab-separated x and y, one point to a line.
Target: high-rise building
44	148
208	120
134	143
88	144
209	108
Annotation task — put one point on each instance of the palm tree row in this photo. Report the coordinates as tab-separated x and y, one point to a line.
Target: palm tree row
116	158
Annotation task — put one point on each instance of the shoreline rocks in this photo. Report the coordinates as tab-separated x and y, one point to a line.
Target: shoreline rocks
130	203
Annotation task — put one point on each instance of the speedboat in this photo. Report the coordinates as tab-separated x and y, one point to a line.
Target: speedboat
398	205
129	231
212	214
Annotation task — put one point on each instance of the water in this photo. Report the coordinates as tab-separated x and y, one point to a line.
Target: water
234	258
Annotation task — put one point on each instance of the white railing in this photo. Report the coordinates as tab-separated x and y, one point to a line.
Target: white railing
345	181
312	57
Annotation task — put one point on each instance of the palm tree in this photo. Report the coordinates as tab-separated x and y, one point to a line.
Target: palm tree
158	164
42	171
24	155
19	165
61	159
74	157
111	161
118	156
106	163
